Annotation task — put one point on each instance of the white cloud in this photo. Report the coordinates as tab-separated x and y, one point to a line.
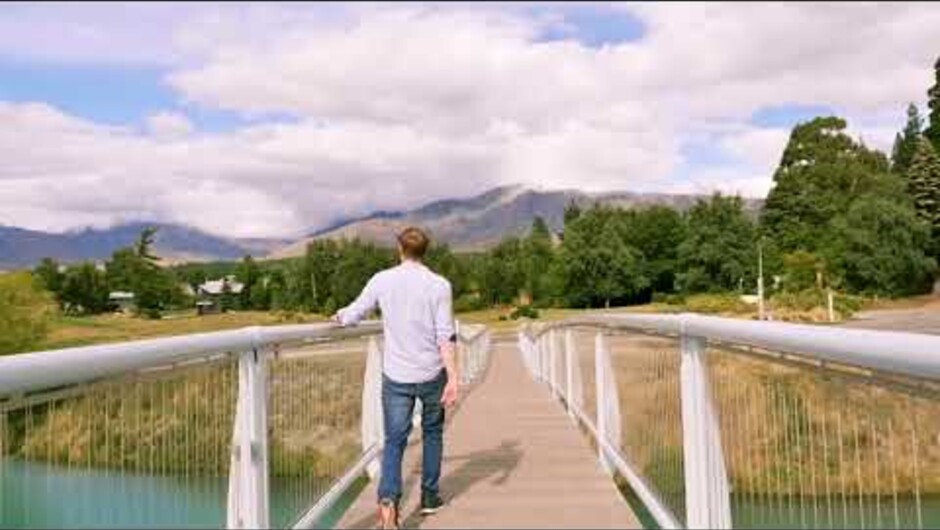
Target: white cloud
397	105
168	124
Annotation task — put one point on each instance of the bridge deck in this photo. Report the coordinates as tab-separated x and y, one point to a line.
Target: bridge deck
513	459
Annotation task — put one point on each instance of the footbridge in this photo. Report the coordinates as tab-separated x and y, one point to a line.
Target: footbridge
601	421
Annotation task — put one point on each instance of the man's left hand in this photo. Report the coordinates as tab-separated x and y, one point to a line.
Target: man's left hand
449	396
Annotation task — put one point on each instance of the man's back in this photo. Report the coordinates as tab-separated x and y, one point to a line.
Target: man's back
416	316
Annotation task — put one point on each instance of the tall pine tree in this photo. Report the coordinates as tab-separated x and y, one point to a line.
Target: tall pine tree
923	181
905	143
933	102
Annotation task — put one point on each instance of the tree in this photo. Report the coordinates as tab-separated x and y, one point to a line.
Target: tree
49	275
656	232
144	245
718	251
923	181
537	259
136	269
25	310
442	260
597	265
572	211
357	263
878	247
249	275
85	289
502	278
821	173
906	143
321	259
933	102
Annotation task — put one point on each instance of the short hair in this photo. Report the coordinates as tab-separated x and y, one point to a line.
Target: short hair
414	242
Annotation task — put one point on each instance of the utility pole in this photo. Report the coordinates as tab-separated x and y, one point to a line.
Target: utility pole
760	280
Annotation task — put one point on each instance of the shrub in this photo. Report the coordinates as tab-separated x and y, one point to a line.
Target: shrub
668	298
25	311
814	301
469	302
716	303
524	311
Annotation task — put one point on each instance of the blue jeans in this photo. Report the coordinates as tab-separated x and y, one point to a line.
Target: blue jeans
398	402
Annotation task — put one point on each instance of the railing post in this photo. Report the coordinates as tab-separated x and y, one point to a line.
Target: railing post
248	473
569	372
372	428
552	362
706	479
600	384
537	356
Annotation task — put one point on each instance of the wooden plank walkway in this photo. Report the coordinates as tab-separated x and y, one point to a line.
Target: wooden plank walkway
512	459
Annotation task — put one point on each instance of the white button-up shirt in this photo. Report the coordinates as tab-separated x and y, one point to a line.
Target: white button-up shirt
417	318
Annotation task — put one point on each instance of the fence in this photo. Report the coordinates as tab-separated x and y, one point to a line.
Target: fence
257	427
720	423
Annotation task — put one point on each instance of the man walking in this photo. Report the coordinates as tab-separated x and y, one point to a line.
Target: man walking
418	364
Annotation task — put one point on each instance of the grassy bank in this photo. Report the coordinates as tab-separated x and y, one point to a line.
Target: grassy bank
66	332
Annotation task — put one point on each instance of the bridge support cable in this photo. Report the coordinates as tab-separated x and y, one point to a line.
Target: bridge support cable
730	423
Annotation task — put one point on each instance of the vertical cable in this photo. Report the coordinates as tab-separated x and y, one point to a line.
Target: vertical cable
858	476
873	434
843	488
916	462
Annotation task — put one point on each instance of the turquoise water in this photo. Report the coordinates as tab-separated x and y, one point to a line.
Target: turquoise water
36	495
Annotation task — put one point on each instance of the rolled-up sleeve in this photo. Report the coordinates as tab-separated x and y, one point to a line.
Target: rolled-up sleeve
361	306
444	316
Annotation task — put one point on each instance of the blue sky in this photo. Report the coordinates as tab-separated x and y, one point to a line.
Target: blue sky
297	114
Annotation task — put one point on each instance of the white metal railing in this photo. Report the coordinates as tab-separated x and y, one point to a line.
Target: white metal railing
163	406
717	422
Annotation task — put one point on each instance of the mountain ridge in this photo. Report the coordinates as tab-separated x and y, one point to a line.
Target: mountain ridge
480	221
466	224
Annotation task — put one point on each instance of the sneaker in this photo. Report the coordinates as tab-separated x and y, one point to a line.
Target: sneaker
388	515
431	503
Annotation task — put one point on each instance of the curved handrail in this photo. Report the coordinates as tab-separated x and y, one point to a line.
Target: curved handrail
30	372
908	354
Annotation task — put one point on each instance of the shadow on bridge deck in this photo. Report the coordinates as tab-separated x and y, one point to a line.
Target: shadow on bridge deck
513	459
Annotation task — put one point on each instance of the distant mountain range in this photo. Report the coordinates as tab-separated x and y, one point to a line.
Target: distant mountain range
21	248
472	223
479	222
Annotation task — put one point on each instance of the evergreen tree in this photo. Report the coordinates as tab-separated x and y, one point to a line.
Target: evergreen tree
933	102
906	143
821	173
923	180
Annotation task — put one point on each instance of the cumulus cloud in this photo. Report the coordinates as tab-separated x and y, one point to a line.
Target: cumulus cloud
392	106
168	124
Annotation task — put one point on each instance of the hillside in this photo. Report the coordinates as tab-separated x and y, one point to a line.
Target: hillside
481	221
